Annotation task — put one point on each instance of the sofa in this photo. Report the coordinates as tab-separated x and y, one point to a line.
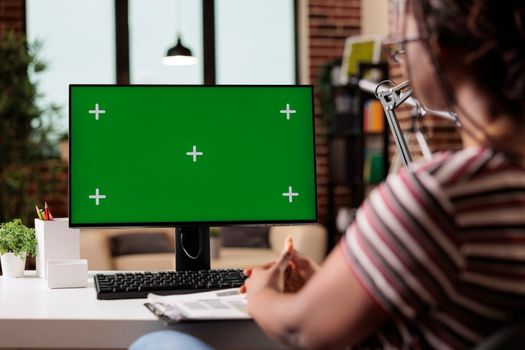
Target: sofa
151	249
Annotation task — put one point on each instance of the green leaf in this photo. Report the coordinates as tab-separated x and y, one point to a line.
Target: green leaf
17	238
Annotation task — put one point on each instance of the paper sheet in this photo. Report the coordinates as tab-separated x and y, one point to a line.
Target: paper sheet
224	304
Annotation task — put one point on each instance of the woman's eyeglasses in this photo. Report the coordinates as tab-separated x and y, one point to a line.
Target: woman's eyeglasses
397	47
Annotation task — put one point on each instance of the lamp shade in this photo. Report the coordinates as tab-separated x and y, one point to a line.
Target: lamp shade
179	55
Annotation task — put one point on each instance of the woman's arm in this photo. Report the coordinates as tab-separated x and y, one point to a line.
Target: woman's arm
332	310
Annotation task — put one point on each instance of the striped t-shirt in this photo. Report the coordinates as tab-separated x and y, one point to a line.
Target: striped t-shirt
440	247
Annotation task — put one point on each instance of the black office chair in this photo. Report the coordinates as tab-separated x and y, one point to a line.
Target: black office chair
508	338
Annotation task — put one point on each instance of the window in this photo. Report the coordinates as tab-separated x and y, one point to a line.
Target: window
78	45
255	41
153	29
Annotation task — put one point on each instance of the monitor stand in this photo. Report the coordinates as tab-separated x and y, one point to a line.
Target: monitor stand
192	248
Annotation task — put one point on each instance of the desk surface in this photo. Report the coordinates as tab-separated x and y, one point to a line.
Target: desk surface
34	316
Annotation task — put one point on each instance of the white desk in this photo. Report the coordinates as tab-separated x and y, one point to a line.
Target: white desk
33	316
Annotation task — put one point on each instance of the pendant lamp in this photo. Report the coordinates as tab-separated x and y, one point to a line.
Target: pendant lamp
179	55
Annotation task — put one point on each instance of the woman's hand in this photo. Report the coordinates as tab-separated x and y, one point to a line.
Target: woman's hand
267	275
335	296
262	278
288	274
300	269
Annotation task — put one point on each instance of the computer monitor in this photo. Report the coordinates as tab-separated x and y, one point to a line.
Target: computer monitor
191	157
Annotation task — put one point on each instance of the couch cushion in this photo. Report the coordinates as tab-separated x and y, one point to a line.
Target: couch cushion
146	262
229	258
139	243
245	236
243	257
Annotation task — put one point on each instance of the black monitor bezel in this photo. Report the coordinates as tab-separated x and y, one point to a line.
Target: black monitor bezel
193	223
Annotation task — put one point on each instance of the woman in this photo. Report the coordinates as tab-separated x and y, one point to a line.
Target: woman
436	256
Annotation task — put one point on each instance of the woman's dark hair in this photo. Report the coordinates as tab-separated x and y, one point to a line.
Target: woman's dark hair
491	33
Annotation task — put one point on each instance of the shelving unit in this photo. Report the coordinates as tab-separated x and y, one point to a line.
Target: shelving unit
349	142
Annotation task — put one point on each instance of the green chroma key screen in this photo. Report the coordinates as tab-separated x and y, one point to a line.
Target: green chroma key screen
191	154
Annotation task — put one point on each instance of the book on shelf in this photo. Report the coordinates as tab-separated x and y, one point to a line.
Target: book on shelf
373	166
373	117
358	49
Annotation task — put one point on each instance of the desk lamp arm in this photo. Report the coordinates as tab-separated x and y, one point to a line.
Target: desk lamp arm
391	99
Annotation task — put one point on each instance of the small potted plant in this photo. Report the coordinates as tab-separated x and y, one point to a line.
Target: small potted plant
215	242
17	241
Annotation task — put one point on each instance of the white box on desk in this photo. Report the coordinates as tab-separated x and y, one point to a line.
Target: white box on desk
67	273
55	241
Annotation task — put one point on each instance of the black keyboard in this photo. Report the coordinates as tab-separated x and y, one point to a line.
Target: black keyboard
139	285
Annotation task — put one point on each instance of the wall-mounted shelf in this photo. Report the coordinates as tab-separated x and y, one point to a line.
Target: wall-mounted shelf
355	151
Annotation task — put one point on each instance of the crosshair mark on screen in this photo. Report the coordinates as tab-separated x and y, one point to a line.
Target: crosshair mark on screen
290	194
194	153
288	111
97	111
97	196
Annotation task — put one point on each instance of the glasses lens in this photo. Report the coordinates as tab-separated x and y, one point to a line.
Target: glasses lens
395	50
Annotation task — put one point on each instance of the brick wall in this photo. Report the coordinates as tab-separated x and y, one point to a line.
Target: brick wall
330	23
51	182
12	16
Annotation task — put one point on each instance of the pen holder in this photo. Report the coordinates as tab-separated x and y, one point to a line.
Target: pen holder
55	241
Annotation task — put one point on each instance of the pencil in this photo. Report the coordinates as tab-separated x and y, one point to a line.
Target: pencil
50	216
46	210
38	213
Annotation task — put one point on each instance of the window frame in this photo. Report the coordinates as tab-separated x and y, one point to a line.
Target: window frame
208	31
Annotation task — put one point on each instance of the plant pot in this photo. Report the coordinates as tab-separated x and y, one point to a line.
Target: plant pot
215	247
12	265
